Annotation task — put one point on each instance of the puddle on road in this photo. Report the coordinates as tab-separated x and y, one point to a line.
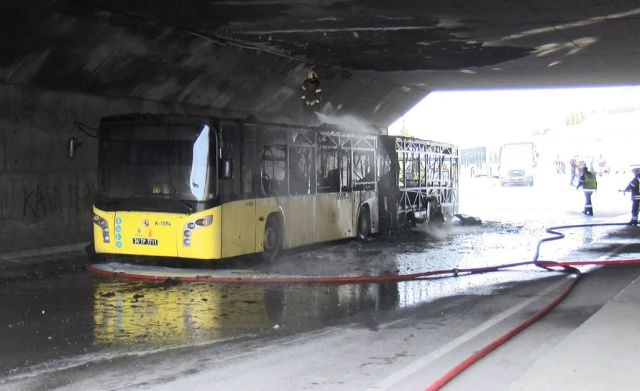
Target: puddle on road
134	313
142	315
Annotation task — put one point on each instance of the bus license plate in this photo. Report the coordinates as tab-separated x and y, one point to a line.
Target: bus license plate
148	242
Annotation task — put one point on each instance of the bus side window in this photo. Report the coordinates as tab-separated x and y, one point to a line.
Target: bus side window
300	170
248	173
274	174
328	171
345	170
363	170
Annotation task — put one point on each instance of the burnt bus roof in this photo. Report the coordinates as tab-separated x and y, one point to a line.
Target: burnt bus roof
148	118
392	139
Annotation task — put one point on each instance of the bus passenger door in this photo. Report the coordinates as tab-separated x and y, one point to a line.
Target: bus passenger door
239	212
334	209
238	195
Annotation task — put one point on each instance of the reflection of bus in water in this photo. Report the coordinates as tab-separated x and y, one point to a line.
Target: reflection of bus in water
480	161
212	188
138	314
171	314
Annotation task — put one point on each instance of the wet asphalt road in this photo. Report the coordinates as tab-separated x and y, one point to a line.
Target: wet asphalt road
75	330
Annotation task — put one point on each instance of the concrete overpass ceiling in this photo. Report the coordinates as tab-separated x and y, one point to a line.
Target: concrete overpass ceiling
376	59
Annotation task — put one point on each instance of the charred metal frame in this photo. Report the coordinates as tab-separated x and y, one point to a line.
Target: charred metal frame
352	143
437	169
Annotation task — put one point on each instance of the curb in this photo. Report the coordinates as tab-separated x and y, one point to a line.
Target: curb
43	261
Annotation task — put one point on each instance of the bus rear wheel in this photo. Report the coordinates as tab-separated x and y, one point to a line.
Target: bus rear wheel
363	224
272	240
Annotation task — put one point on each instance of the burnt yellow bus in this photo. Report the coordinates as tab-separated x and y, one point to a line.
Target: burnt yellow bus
212	188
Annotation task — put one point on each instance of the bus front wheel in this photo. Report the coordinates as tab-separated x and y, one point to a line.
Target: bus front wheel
363	224
272	240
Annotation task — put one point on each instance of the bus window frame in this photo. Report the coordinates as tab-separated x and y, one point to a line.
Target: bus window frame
108	202
265	176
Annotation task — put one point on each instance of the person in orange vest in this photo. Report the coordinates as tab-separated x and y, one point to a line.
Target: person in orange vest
589	183
311	96
634	188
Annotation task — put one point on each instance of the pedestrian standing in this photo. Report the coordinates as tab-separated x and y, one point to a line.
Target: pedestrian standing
601	164
589	183
572	170
634	188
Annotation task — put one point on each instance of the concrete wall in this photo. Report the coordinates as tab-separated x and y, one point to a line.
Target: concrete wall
45	198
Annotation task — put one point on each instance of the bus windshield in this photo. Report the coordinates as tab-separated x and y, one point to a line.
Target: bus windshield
518	153
166	161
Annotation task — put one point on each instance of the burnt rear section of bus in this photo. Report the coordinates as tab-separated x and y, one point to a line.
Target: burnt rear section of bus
418	181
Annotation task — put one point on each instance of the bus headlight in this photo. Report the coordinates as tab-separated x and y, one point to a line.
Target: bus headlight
193	225
104	227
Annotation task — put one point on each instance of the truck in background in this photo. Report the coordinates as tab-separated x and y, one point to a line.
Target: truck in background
518	163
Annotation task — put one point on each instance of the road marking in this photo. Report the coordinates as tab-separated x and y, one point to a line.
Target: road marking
419	364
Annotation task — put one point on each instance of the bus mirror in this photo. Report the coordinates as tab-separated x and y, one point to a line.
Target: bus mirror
226	168
72	145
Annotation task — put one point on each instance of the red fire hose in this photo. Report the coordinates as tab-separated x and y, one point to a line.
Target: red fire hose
568	267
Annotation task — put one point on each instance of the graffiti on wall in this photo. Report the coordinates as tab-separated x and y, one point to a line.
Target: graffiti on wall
41	201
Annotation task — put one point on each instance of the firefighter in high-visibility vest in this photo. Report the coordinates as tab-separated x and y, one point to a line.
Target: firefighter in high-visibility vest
634	188
311	95
589	183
